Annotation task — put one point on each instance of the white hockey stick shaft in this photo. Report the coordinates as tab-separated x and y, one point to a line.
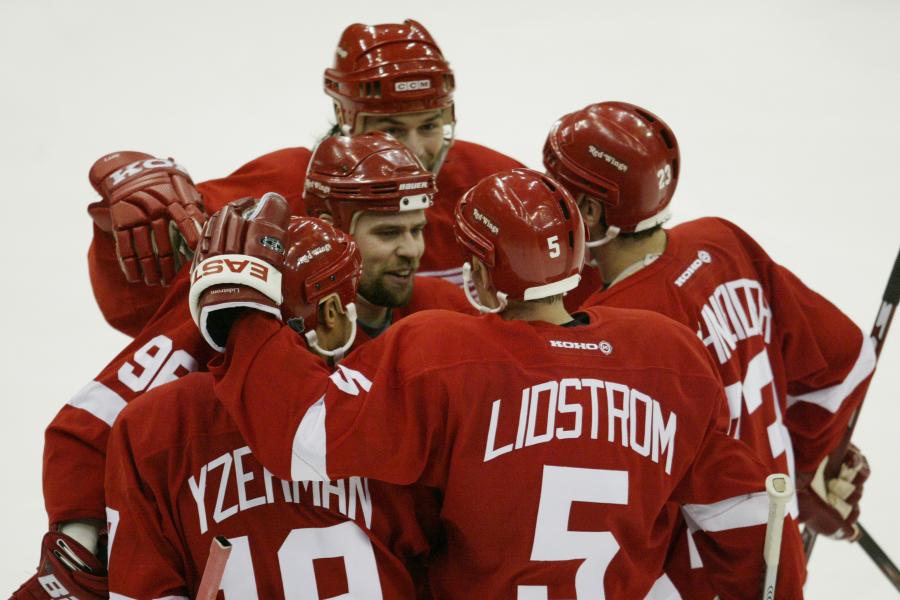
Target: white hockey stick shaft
219	550
779	488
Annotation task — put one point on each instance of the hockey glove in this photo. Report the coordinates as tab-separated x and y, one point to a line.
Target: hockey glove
831	506
66	570
152	209
236	265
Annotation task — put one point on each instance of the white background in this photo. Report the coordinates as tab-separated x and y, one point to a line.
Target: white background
786	113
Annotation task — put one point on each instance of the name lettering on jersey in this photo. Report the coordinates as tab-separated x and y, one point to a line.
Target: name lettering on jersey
703	258
633	419
603	346
735	311
244	484
481	218
313	252
139	166
312	184
211	266
612	160
412	86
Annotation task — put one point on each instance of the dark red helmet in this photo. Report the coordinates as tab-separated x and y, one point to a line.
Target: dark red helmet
365	172
319	260
388	68
527	231
622	155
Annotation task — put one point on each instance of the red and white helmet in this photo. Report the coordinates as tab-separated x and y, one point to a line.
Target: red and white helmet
622	155
526	229
388	68
319	260
366	172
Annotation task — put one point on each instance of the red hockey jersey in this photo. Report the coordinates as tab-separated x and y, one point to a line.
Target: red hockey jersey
563	453
127	307
179	474
169	347
794	366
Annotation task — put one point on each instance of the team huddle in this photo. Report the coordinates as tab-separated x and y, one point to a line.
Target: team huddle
402	365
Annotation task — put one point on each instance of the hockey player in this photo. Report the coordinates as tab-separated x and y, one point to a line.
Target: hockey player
389	77
793	365
561	444
179	473
169	347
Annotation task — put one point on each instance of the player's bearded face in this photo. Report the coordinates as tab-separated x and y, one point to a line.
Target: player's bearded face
391	247
421	132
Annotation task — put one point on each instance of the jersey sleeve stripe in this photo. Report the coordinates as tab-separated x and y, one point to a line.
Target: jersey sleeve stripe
831	398
308	449
741	511
100	401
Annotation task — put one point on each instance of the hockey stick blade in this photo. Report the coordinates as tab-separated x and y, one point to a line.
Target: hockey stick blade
879	557
883	318
219	550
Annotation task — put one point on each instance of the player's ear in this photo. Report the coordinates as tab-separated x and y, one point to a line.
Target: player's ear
480	273
591	210
330	312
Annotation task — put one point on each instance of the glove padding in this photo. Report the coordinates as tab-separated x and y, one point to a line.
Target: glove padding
66	570
236	265
153	211
831	506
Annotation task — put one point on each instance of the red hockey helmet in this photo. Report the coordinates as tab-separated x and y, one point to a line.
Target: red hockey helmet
319	260
365	172
527	231
622	155
388	68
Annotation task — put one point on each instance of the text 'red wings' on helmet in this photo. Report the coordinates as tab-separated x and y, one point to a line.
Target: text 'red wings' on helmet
319	260
527	231
620	154
365	172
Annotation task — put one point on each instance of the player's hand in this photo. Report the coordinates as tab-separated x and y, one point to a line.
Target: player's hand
66	570
152	209
831	506
236	265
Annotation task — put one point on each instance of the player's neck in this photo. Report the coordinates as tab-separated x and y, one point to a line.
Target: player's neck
555	313
370	315
623	253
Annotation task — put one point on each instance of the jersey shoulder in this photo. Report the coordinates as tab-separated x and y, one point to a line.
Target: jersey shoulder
476	160
172	414
436	293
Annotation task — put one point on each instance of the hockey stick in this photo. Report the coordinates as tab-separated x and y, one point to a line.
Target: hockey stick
878	555
879	332
780	488
219	550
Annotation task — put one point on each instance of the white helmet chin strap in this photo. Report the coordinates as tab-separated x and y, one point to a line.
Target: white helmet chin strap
611	232
467	288
338	353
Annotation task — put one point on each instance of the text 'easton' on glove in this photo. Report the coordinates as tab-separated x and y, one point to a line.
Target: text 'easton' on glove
152	209
236	265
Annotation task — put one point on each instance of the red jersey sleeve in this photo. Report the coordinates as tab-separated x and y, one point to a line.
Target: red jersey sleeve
129	306
75	441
